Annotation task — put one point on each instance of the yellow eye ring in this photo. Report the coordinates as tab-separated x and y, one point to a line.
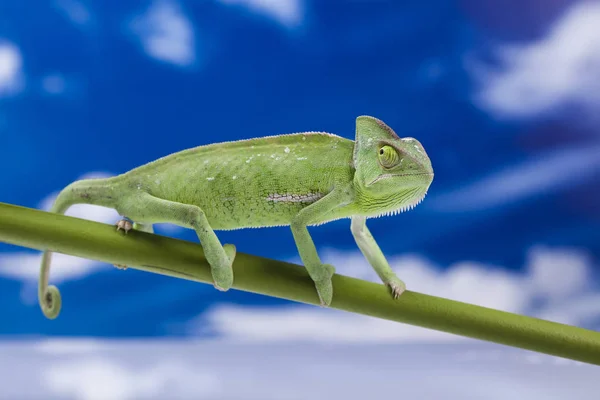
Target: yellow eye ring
388	156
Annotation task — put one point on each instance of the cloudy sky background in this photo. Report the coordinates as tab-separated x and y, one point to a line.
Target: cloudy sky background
504	95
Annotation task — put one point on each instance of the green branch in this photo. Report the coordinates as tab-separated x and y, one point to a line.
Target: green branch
153	253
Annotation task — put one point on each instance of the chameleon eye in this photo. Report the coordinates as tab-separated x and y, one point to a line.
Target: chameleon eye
388	156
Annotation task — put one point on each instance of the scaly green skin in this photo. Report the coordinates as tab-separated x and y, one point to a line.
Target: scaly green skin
298	180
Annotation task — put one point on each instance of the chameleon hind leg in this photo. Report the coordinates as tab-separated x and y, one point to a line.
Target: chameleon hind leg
125	224
368	246
149	209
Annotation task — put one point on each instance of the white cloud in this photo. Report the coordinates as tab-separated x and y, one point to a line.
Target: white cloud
225	369
24	266
555	285
165	33
74	10
297	323
64	346
561	69
97	378
98	213
584	307
86	211
543	175
10	69
558	274
289	13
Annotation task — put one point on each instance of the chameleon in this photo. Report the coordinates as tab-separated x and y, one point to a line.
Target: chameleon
296	180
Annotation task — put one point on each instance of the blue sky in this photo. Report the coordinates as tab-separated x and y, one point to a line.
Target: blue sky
506	104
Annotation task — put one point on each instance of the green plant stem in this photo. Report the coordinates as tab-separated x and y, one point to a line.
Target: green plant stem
153	253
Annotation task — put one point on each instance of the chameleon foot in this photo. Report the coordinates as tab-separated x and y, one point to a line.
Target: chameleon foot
396	286
324	285
125	224
223	277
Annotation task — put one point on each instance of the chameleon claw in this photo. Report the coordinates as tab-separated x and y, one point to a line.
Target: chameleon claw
219	288
323	303
125	224
225	280
323	284
325	292
397	287
224	275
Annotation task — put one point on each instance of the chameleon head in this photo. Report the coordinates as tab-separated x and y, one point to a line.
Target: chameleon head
393	173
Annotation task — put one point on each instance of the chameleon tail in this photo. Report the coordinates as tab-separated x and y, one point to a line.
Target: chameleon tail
87	191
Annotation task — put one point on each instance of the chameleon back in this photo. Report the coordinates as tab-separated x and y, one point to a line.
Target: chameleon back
251	183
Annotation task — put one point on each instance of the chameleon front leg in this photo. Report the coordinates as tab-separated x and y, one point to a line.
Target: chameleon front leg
368	246
149	209
320	273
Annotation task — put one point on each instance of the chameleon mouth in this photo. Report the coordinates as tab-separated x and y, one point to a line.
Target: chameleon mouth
385	176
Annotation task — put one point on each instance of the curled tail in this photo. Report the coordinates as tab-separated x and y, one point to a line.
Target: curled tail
87	191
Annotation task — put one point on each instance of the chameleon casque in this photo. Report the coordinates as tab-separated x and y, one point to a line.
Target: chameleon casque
299	179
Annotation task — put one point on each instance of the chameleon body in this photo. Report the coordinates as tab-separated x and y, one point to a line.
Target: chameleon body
299	180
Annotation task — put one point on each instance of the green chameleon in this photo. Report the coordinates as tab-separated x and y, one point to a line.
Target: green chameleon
297	180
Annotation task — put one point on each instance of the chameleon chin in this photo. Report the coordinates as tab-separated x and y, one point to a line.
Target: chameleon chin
297	180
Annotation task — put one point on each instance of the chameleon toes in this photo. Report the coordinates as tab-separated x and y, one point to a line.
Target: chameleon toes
223	275
396	286
219	288
325	292
230	252
222	281
324	284
124	224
